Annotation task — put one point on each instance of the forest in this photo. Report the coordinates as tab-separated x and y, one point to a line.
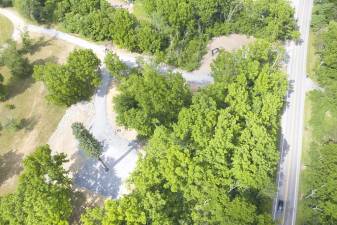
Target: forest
320	199
176	32
216	162
211	155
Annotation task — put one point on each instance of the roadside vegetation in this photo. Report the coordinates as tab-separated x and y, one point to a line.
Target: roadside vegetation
175	31
319	197
6	30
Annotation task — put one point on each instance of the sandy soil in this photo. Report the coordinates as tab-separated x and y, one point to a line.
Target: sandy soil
62	140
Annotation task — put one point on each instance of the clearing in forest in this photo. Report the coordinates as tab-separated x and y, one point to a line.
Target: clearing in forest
26	102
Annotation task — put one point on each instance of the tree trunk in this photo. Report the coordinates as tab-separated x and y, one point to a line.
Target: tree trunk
105	167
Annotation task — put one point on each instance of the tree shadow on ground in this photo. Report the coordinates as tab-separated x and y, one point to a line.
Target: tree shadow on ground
82	200
17	86
10	165
79	203
51	59
29	123
90	174
38	44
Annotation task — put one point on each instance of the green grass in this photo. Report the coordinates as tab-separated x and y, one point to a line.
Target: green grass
6	29
307	139
312	57
139	11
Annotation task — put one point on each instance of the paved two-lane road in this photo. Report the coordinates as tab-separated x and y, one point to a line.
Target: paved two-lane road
292	119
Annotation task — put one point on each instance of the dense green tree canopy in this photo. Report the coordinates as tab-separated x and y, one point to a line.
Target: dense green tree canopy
150	99
175	31
72	82
217	160
328	67
39	10
322	197
5	3
269	19
324	11
43	195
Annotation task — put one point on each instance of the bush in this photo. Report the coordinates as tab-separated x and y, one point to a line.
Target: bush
124	30
149	39
10	106
3	92
115	66
5	3
40	11
14	124
17	63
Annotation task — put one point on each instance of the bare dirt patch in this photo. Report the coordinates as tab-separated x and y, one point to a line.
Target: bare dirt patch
228	43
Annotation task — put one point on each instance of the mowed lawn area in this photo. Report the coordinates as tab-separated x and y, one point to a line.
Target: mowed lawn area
27	105
308	132
6	29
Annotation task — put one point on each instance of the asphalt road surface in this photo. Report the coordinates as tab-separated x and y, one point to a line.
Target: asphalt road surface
292	119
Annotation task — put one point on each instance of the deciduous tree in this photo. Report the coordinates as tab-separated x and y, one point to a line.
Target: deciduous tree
44	192
72	82
115	66
150	100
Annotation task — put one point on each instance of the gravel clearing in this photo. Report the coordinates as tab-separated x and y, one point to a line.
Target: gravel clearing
120	149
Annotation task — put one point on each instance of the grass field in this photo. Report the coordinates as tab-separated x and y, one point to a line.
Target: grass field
6	29
139	11
312	57
307	134
39	117
307	139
